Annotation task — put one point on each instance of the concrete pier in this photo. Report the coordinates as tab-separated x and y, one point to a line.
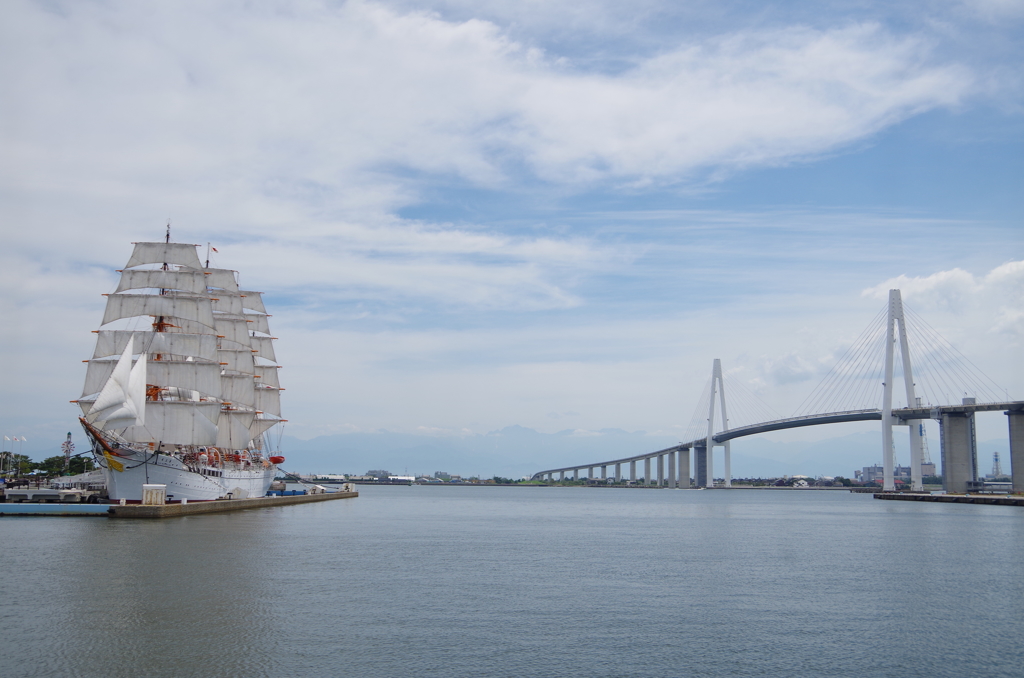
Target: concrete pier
700	471
671	469
998	499
219	505
958	453
684	468
647	471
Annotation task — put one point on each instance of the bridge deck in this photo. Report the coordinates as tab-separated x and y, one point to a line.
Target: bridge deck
903	414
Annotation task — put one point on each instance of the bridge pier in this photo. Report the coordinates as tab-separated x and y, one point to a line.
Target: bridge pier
647	471
561	476
959	454
684	468
700	466
661	470
618	472
590	472
728	465
632	471
1015	421
671	469
604	473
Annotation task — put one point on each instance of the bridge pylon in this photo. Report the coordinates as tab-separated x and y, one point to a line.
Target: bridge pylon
896	322
705	471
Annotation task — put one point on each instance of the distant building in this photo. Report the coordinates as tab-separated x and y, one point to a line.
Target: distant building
875	474
872	474
443	475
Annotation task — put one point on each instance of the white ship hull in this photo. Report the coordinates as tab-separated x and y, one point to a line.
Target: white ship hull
182	483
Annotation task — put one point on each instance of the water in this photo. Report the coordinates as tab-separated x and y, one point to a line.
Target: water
493	581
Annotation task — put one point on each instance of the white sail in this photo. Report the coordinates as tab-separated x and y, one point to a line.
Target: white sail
238	389
233	329
237	361
224	302
267	374
197	309
221	278
184	280
233	429
112	342
187	374
122	399
258	322
259	426
164	253
268	401
264	347
253	301
254	322
173	422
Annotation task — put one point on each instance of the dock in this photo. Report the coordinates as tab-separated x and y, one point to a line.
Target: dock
999	499
165	510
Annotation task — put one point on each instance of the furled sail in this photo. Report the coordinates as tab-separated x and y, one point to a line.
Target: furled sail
122	399
164	253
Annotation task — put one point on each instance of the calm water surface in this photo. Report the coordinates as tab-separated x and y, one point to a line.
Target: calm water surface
477	581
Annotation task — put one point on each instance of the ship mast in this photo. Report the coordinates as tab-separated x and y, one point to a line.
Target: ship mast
160	325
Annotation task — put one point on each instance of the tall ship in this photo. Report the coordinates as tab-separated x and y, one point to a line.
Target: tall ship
182	388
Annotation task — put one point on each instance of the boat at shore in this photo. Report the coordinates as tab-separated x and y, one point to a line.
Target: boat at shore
182	388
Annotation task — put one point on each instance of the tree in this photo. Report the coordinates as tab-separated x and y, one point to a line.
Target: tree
20	463
52	466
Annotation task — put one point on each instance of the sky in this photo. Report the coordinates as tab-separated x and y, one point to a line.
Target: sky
473	215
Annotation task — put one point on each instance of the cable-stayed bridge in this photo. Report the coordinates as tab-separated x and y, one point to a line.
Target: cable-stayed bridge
948	388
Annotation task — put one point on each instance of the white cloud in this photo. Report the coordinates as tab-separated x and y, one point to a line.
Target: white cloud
997	296
302	102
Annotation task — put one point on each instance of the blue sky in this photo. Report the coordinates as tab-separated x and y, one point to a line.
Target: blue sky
470	215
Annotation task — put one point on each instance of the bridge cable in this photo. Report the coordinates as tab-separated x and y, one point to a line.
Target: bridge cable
853	366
